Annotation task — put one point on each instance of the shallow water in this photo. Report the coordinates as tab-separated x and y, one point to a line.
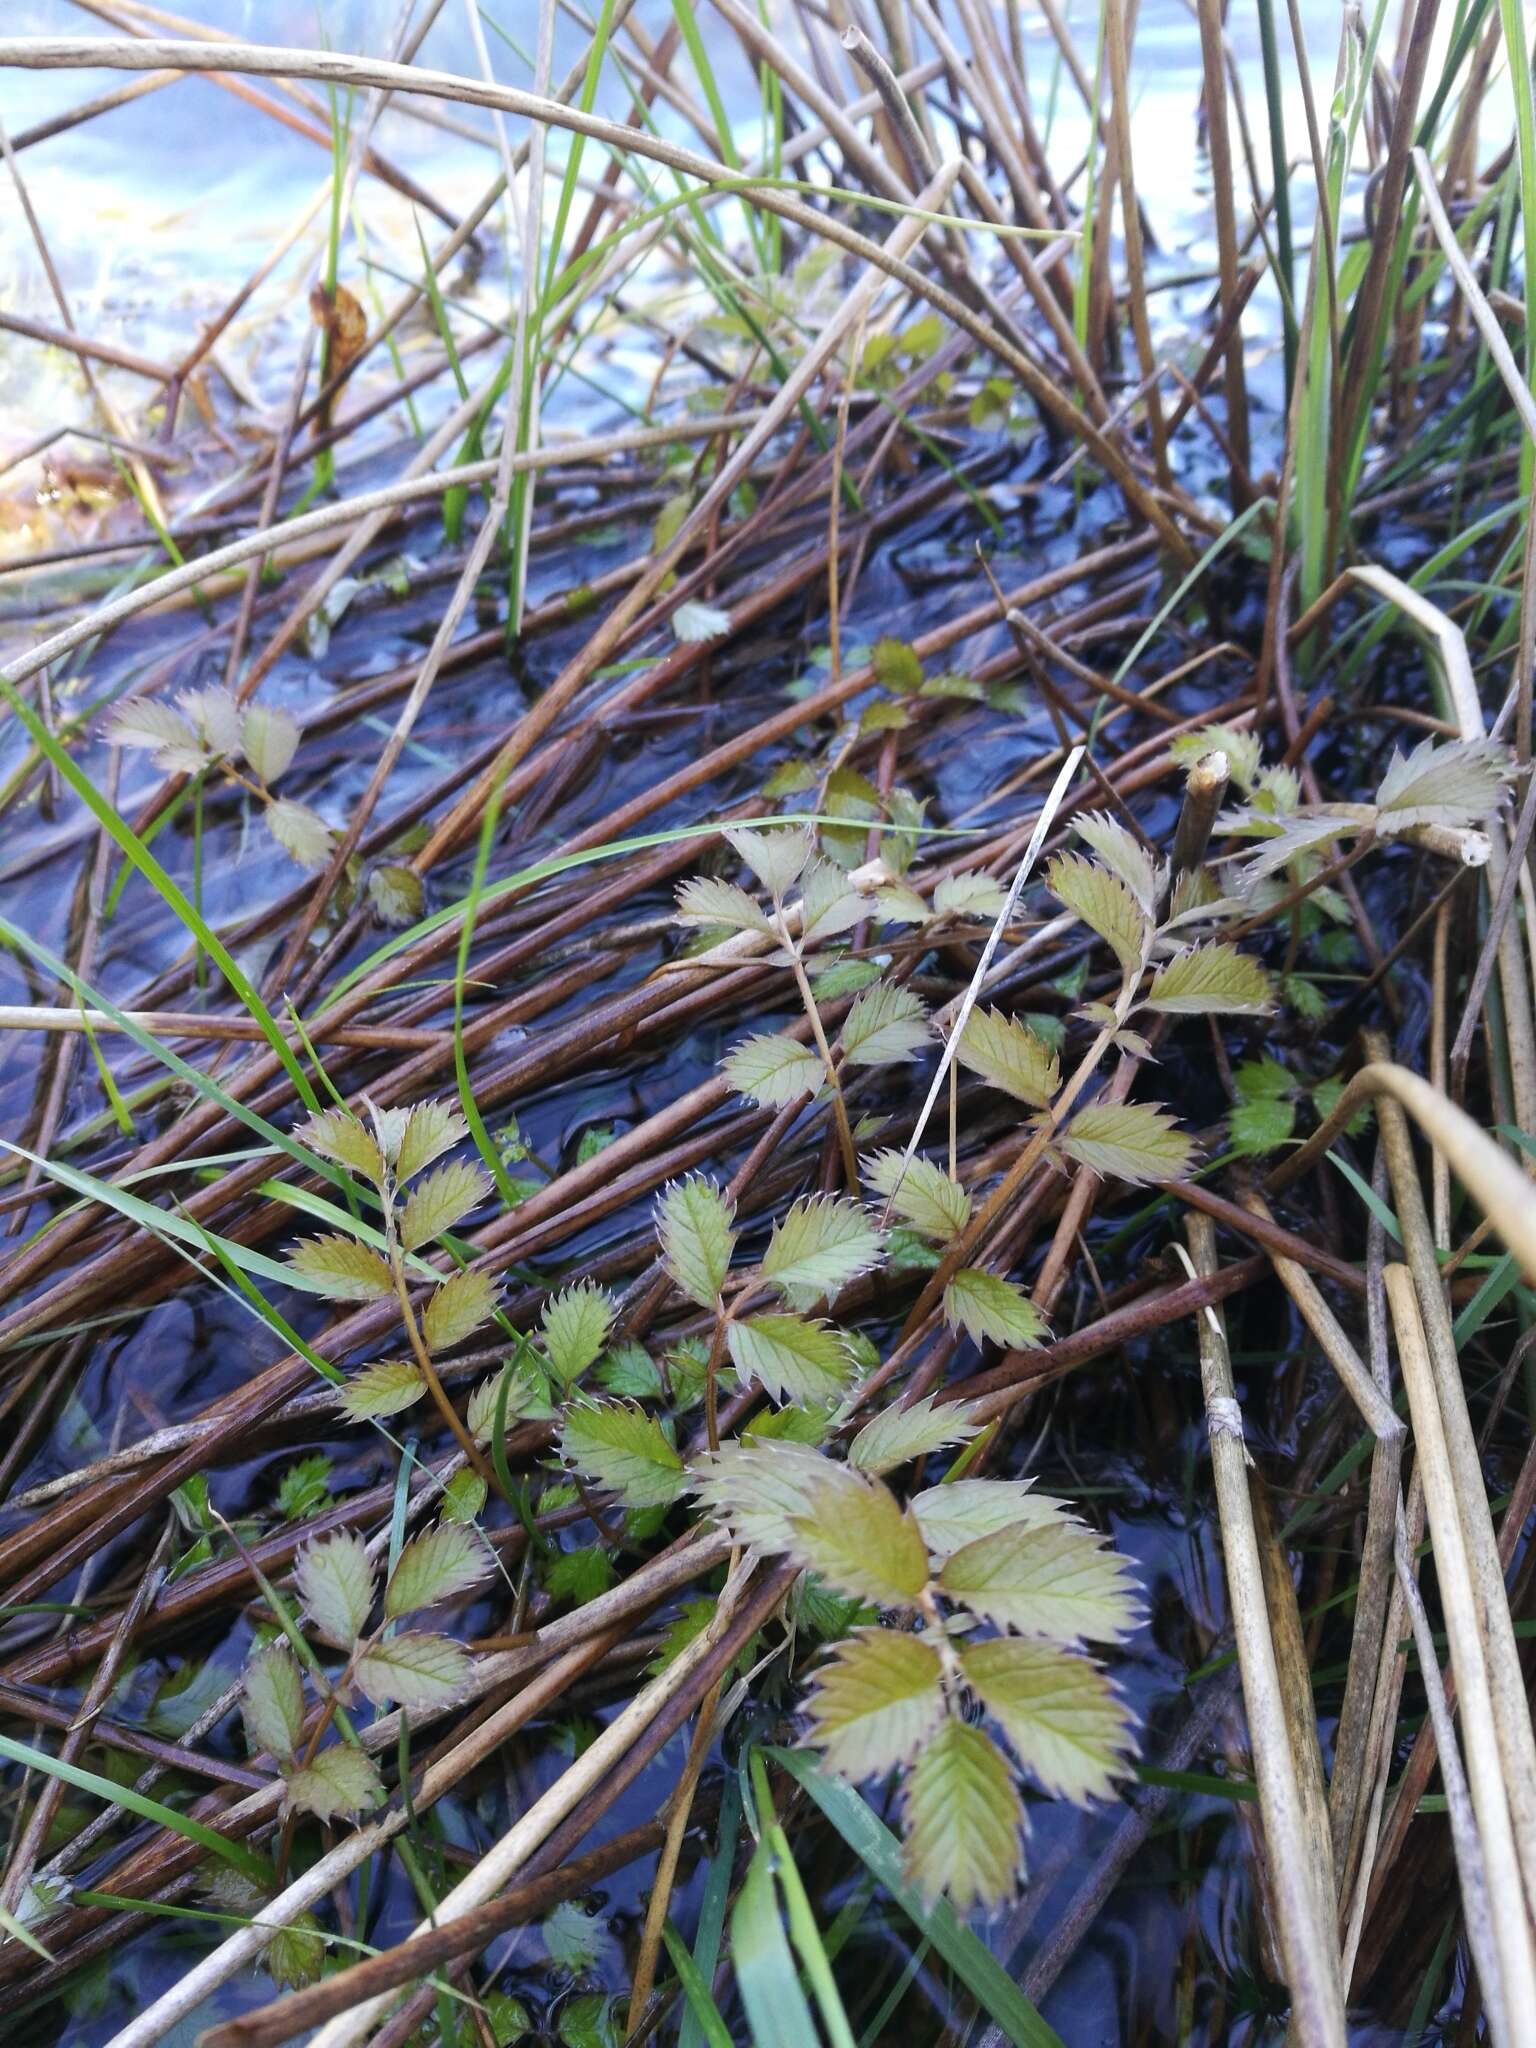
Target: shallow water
154	215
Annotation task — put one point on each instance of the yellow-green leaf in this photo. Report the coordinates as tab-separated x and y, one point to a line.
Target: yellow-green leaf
819	1245
273	1702
335	1581
341	1268
1122	852
624	1449
898	1435
876	1702
885	1024
1103	902
1058	1580
855	1535
771	1069
1007	1054
1129	1141
1209	980
337	1134
415	1669
576	1324
920	1193
383	1388
338	1780
986	1305
434	1567
463	1302
1062	1717
440	1201
693	1221
964	1819
958	1513
793	1359
426	1133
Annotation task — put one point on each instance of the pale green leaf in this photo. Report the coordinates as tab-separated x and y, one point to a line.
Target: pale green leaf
440	1201
217	714
1461	783
341	1268
272	1702
697	621
970	895
464	1495
416	1670
1129	1141
705	900
855	1535
758	1491
480	1416
819	1245
828	902
1104	903
1209	980
922	1194
335	1582
1062	1717
434	1567
772	1070
576	1324
876	1702
337	1134
883	1025
776	858
624	1449
964	1509
463	1302
269	739
1008	1054
174	742
1122	852
964	1819
1241	749
396	894
302	833
792	1358
1058	1580
383	1388
338	1780
986	1305
1299	835
426	1133
693	1222
898	1435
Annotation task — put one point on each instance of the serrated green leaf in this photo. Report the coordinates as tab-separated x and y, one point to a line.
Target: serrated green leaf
338	1780
986	1305
1299	835
792	1358
435	1566
855	1535
302	833
440	1201
624	1449
463	1302
876	1702
1104	903
304	1486
884	1024
576	1323
922	1194
335	1581
828	902
337	1134
1261	1126
776	858
895	903
575	1939
954	1515
758	1491
1009	1056
396	894
964	1819
1122	853
837	975
771	1069
426	1133
217	715
901	1434
896	666
1063	1718
693	1222
480	1417
1058	1580
272	1702
1260	1079
383	1388
464	1495
340	1268
1458	784
269	739
1241	749
1207	980
705	900
296	1953
817	1247
969	895
1129	1141
415	1669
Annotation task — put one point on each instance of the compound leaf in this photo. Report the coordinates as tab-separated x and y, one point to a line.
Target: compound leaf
338	1780
819	1245
383	1388
920	1193
1210	980
1104	903
884	1024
